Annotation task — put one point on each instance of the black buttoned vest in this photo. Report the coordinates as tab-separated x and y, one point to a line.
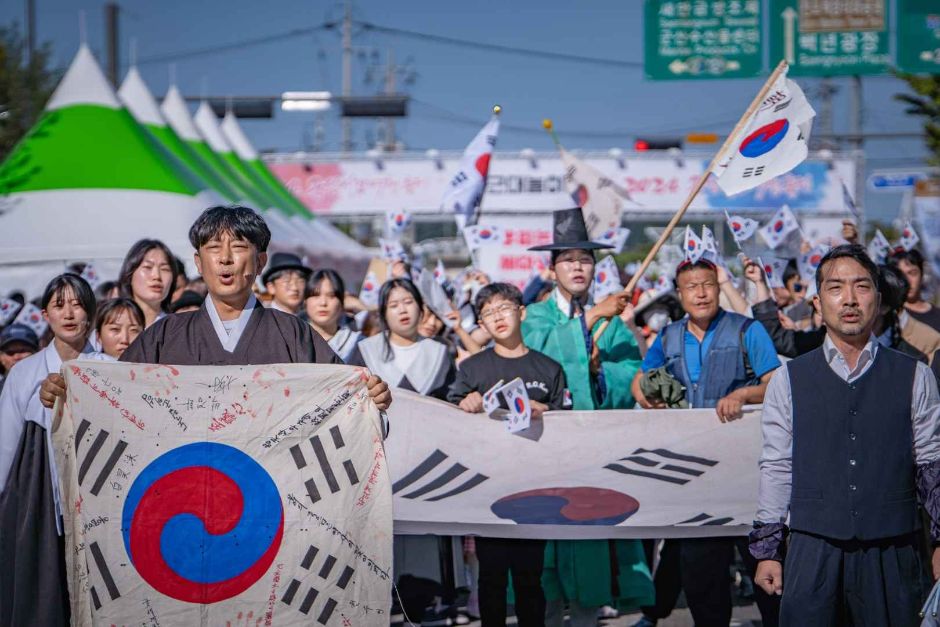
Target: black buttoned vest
853	458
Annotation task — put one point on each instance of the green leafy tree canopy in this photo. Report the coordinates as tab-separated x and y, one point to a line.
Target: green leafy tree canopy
25	86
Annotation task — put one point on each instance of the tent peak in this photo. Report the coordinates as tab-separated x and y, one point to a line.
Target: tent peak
140	102
83	83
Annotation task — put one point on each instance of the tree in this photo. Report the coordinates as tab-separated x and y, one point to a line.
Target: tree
24	87
926	104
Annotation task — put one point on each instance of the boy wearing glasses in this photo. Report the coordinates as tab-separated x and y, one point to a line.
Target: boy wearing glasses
286	280
499	308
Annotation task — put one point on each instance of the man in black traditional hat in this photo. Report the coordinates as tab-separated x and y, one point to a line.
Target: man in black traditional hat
286	280
598	374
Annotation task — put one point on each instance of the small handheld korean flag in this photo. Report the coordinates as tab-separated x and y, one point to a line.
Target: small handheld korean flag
31	316
8	309
396	222
392	250
440	274
616	238
480	235
772	141
742	229
773	270
710	245
878	247
491	398
780	226
606	278
849	202
909	237
90	274
517	400
693	246
808	262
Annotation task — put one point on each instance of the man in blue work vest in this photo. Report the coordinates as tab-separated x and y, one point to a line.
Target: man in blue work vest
851	436
724	361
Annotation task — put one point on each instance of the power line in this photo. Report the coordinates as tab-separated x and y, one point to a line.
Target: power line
236	45
479	45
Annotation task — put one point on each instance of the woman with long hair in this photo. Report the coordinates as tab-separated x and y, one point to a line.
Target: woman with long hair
148	276
31	548
324	308
399	354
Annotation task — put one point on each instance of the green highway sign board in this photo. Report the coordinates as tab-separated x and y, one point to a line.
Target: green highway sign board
702	39
830	37
919	36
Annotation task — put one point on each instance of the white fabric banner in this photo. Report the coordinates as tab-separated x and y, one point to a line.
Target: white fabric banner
577	474
208	495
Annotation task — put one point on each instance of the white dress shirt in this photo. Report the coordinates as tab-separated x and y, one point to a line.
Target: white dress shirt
776	460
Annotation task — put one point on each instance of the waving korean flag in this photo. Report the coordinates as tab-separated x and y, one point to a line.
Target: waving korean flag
878	247
466	187
742	229
909	237
772	142
693	246
780	226
606	278
396	222
615	237
480	235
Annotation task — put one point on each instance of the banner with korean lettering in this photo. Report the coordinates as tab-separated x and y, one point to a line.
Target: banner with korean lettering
656	184
223	495
510	260
573	474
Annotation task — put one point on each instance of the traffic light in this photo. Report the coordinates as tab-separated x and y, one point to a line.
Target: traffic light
643	144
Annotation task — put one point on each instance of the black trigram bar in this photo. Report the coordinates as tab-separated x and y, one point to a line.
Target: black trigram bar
109	465
298	456
94	598
433	460
327	566
288	597
337	438
449	475
312	491
328	608
646	458
351	472
82	428
104	571
309	557
90	455
345	578
706	520
470	483
308	601
324	464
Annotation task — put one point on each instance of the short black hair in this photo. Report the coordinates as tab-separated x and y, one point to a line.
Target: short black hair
848	251
326	274
104	288
135	257
70	282
913	257
492	291
688	265
384	293
893	286
242	222
790	271
114	306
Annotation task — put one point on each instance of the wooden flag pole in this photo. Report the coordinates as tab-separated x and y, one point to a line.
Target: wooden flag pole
631	284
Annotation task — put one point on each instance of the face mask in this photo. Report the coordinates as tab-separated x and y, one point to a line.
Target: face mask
656	321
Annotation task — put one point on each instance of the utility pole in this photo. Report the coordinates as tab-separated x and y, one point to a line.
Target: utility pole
111	37
390	71
858	146
30	31
826	91
347	72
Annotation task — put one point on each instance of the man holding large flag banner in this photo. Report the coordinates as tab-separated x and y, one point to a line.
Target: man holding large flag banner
466	187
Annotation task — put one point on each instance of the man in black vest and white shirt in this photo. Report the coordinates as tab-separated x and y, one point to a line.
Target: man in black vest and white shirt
850	441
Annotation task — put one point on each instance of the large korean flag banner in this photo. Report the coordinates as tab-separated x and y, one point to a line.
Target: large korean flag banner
223	495
772	142
676	473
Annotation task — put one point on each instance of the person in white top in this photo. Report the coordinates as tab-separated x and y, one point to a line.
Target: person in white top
117	325
148	275
324	308
33	587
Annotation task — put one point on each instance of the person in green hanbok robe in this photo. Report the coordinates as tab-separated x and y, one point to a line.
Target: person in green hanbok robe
587	574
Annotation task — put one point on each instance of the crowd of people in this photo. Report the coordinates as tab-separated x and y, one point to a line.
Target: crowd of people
837	536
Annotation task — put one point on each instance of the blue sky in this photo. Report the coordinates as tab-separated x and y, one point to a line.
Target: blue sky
455	88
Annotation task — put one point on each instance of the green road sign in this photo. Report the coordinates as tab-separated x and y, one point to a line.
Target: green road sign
919	36
702	39
830	38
